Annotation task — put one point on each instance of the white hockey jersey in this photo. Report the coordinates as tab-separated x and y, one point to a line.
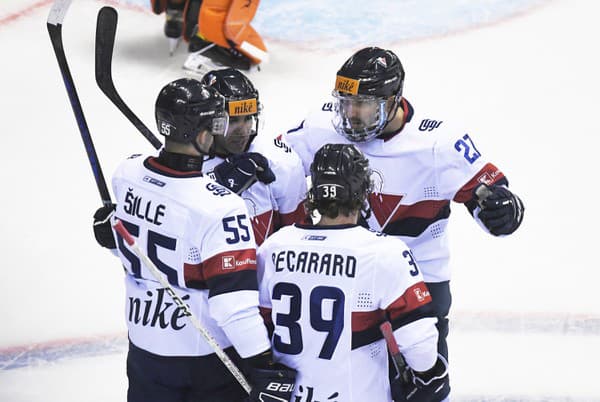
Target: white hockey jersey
416	173
279	203
326	290
199	235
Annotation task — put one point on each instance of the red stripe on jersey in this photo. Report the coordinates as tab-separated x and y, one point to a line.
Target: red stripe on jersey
263	225
387	208
220	264
414	297
363	320
266	314
490	174
296	216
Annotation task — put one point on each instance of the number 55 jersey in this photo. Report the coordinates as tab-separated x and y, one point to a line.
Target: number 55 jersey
198	234
326	290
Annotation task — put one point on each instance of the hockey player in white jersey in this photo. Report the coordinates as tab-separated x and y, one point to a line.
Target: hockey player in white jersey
420	161
326	289
199	235
264	171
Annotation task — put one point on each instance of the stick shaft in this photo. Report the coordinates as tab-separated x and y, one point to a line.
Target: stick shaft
54	24
120	228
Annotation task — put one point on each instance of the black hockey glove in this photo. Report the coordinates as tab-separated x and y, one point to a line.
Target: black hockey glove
239	172
271	382
501	210
426	386
103	228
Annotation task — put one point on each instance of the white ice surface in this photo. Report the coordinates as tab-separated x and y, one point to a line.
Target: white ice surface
526	309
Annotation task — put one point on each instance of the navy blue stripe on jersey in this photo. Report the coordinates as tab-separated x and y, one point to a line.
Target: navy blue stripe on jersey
365	327
233	282
267	319
225	263
151	163
408	223
425	311
300	127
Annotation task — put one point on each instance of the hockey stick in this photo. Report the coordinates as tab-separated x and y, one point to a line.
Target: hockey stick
392	345
181	304
54	24
106	29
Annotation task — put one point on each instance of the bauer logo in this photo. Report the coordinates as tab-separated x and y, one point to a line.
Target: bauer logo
154	181
347	85
228	262
242	107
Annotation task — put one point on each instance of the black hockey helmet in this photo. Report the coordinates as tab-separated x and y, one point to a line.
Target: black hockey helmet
185	107
371	71
363	86
242	104
340	173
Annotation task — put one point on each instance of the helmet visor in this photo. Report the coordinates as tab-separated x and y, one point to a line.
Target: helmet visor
359	118
241	130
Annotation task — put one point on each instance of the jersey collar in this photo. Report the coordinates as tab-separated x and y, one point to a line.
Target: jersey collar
408	110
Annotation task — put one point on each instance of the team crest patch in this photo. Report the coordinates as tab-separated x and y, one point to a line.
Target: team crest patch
347	85
243	107
228	262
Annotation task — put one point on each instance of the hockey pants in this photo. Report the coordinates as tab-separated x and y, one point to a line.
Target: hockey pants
154	378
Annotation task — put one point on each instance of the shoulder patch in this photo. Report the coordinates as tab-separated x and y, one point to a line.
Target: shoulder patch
327	107
134	156
429	125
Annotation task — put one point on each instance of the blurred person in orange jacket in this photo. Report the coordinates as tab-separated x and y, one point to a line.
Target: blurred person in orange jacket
218	30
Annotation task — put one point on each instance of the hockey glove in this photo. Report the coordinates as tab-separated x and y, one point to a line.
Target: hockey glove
271	382
239	172
501	210
103	228
422	386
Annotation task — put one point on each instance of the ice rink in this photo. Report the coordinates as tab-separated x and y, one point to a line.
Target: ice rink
522	76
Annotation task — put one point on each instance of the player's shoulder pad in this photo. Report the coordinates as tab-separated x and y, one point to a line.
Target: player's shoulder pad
280	155
320	117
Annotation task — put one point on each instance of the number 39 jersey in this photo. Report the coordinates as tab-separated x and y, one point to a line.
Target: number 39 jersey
326	290
199	236
417	172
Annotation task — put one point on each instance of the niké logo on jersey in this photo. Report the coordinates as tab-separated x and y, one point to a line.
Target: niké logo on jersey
155	311
429	125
